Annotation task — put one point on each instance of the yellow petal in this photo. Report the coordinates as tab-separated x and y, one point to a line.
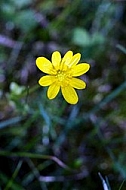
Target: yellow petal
45	65
77	83
80	69
53	90
69	94
56	59
75	59
47	80
67	57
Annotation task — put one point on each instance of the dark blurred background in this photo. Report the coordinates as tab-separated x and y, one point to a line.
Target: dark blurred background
49	144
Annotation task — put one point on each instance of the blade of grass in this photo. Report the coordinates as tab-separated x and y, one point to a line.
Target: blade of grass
105	186
121	48
28	178
10	182
108	98
36	174
4	180
11	121
38	156
121	185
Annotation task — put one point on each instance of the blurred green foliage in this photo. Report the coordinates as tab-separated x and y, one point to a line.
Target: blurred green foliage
49	144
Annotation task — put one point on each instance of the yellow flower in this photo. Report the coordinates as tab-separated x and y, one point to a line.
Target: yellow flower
61	75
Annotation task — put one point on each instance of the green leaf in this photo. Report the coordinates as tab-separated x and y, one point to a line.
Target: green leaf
81	37
25	20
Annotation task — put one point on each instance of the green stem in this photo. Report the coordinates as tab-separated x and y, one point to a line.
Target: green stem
32	155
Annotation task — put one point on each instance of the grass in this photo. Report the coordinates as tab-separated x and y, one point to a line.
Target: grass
49	144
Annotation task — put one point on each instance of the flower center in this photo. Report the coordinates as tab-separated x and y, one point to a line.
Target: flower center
61	75
63	78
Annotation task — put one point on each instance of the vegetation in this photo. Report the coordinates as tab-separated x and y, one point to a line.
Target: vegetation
50	144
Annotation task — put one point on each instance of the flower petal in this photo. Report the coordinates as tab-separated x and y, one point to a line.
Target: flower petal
77	83
65	61
53	90
45	65
80	69
75	59
67	57
56	59
69	94
47	80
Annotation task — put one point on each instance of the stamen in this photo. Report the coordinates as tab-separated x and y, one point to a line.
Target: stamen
60	75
